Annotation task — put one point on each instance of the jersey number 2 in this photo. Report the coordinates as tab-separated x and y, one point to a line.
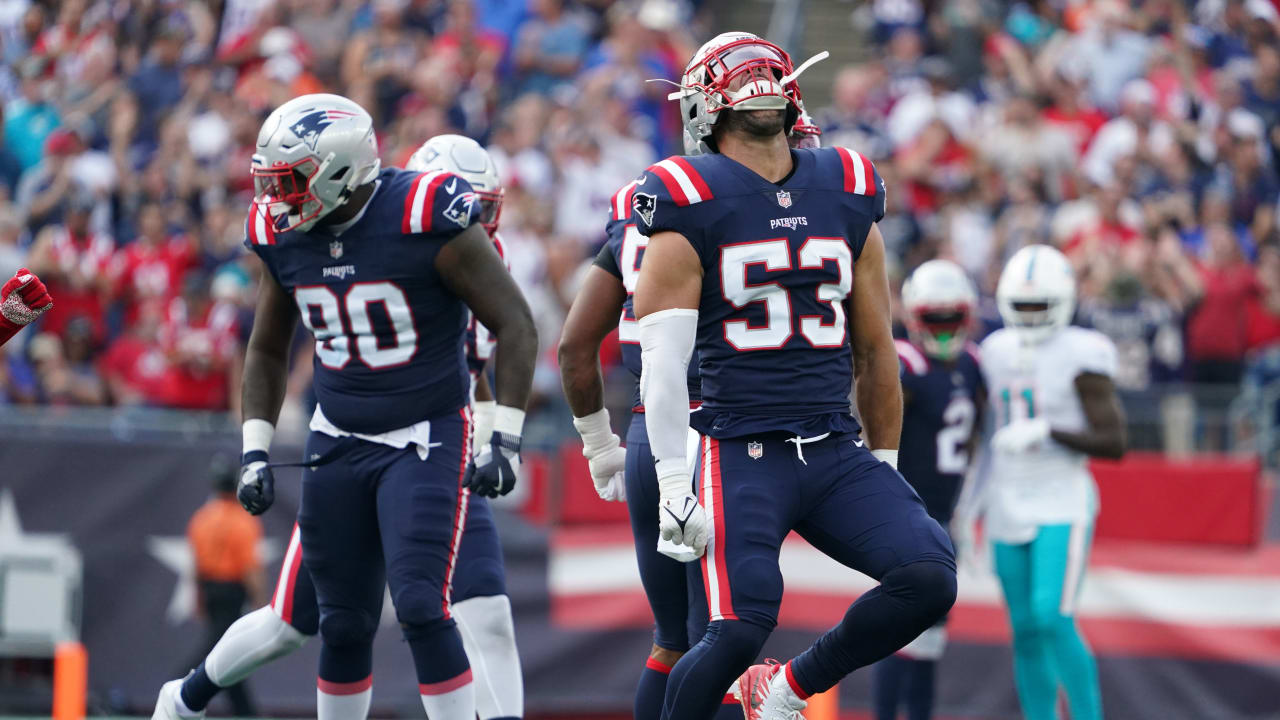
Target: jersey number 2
953	438
776	255
323	316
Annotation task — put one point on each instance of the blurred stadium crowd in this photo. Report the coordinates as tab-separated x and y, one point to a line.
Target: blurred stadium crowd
1143	138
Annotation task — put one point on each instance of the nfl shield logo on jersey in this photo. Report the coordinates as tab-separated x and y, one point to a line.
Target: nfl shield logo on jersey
335	249
784	198
755	450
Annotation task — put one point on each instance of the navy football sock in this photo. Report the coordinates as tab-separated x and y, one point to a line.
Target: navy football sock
909	599
699	681
437	651
198	690
920	689
888	678
650	690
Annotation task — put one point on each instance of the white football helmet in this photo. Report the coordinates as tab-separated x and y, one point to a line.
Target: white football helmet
940	301
465	158
1037	293
312	152
736	71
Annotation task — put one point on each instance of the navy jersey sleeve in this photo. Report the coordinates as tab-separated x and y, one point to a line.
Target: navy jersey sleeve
864	194
440	204
606	261
260	238
669	197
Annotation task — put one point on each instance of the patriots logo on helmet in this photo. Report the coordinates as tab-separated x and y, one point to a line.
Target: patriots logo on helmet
309	126
644	205
459	211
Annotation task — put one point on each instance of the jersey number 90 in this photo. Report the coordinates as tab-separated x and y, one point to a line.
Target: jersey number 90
322	314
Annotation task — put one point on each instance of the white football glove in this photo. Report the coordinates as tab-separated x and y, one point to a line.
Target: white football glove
1020	436
681	518
605	455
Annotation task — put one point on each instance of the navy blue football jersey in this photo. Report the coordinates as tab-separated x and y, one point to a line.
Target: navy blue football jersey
626	246
773	342
480	342
942	404
389	333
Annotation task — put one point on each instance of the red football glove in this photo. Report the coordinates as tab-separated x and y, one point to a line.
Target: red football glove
23	299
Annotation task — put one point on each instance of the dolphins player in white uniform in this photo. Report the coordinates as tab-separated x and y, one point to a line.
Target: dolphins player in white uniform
1054	406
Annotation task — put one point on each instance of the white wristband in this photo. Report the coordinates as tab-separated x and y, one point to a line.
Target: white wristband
674	480
888	456
256	434
595	430
508	421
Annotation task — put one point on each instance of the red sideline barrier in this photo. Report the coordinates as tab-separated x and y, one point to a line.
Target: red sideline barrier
1207	499
1213	499
579	504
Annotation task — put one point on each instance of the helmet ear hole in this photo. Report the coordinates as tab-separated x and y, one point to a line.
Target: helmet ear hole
341	173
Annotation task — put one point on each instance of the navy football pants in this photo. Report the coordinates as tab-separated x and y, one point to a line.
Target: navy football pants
672	587
848	505
381	515
479	572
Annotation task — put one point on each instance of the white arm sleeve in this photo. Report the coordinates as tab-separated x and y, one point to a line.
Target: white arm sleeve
666	344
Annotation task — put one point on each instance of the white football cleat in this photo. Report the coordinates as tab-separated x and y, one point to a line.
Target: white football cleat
168	702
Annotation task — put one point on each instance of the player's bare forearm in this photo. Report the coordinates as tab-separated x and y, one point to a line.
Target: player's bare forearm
670	276
878	393
471	268
1105	436
877	389
266	359
593	315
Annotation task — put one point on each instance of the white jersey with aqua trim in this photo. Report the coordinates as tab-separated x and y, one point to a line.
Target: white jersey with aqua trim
1050	484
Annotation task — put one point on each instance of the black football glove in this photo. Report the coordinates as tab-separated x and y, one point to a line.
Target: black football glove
495	469
257	489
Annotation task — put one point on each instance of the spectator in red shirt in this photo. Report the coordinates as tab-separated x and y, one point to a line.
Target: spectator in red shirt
151	269
75	263
1218	327
200	340
134	366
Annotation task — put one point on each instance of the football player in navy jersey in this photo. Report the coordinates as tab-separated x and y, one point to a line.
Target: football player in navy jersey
603	303
768	260
382	266
942	396
479	601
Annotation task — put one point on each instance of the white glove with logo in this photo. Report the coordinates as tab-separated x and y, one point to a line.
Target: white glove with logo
681	518
1020	436
605	455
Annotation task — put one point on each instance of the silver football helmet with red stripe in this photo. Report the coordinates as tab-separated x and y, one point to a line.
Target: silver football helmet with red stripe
941	304
736	71
312	152
465	158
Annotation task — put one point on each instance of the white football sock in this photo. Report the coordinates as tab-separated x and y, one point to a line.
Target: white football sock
452	699
489	636
251	642
344	705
